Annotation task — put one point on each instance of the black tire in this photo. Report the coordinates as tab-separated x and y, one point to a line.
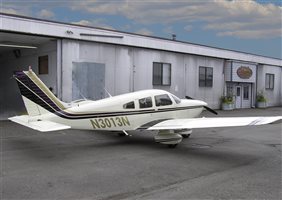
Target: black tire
186	135
121	134
172	146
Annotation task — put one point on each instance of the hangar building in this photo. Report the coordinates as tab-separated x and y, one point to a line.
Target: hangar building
85	62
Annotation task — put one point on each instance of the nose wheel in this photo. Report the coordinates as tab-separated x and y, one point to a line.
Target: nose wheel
185	133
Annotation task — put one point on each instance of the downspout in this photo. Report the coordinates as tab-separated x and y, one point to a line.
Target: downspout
256	91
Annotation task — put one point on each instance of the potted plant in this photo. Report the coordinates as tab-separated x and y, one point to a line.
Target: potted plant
261	100
227	103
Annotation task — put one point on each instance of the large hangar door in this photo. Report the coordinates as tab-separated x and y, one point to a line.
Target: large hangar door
18	52
88	80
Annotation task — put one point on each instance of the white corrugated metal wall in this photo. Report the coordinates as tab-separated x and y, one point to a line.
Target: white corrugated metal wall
130	69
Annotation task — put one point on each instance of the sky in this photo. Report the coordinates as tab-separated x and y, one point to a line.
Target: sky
242	25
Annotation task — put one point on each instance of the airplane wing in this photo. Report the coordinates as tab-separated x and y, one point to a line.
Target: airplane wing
178	124
43	126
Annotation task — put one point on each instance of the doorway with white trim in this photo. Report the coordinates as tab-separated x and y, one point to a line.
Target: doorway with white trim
243	95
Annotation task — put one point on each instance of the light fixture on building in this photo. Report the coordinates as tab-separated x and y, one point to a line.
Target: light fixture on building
69	32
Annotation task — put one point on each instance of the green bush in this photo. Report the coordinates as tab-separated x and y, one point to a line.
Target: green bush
227	99
260	97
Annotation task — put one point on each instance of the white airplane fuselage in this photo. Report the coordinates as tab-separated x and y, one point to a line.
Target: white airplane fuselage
110	114
153	110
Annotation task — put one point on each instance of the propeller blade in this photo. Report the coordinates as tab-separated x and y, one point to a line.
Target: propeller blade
211	110
187	97
206	107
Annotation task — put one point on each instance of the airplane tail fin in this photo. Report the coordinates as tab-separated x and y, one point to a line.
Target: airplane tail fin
38	99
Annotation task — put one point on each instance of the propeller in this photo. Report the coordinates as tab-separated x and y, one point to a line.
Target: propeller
206	107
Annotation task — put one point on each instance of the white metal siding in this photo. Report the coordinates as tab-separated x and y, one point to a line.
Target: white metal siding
228	71
273	96
130	69
33	26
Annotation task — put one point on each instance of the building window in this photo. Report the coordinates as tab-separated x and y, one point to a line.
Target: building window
238	92
43	64
229	90
161	73
269	81
246	93
205	76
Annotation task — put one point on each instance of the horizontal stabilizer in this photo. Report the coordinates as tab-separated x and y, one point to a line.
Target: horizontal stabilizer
43	126
178	124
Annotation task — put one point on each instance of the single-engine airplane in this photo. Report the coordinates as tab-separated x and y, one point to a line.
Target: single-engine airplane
168	116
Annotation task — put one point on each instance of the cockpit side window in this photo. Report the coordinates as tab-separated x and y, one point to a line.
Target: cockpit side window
145	102
129	105
163	100
176	99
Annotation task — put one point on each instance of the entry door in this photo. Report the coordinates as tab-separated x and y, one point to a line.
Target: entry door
246	94
238	103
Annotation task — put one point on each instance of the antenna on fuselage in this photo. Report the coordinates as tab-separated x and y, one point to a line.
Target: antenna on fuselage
82	95
107	92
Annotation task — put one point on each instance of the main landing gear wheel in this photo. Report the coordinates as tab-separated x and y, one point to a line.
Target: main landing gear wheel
121	134
172	146
186	135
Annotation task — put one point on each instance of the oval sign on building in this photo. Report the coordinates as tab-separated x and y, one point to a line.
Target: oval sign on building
244	72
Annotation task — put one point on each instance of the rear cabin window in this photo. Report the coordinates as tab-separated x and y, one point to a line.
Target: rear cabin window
163	100
145	102
129	105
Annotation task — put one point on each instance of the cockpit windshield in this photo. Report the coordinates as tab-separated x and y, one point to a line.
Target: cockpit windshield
176	99
162	100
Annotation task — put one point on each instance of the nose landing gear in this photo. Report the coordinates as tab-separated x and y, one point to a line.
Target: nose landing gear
185	133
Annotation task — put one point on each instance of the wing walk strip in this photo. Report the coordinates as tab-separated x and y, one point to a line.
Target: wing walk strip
255	122
30	90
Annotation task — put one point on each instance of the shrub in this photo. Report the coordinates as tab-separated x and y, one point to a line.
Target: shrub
227	99
260	97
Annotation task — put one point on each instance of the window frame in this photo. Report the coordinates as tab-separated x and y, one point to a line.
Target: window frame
155	80
206	82
246	92
270	84
176	99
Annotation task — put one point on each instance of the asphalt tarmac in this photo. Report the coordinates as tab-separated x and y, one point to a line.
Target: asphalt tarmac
217	163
